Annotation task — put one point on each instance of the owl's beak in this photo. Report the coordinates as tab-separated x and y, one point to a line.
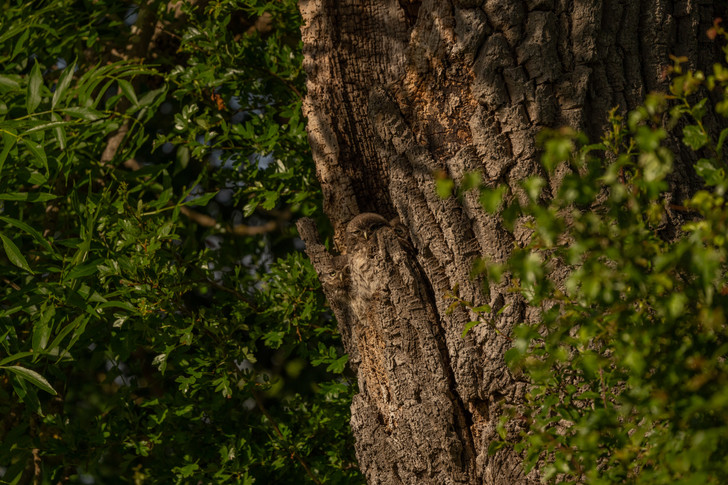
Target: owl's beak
366	236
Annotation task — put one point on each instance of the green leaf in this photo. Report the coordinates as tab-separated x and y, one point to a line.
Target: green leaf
271	197
28	196
444	187
469	326
9	140
533	186
31	376
59	132
30	230
78	322
38	152
698	111
494	446
249	208
694	137
491	199
721	140
649	139
512	357
45	126
7	84
152	96
83	270
15	357
13	253
187	470
556	150
87	114
63	83
337	366
183	157
20	44
128	91
202	200
34	85
42	330
471	180
708	172
10	32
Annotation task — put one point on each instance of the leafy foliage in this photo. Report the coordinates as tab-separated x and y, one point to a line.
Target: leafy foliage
628	361
156	323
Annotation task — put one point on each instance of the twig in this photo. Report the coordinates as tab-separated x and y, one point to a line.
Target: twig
37	471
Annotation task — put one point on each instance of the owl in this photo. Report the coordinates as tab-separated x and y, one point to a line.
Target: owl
361	251
361	228
336	279
402	234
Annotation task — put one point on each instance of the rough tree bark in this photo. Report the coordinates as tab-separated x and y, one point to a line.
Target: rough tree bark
402	90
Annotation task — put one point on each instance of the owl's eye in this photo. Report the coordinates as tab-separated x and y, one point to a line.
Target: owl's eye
332	273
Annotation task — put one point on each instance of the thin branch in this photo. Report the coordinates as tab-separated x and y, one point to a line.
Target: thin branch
238	230
202	219
243	230
37	470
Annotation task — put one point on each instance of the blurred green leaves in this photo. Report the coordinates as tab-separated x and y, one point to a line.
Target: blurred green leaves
627	362
151	291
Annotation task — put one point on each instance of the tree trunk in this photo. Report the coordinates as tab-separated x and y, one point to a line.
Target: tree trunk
403	91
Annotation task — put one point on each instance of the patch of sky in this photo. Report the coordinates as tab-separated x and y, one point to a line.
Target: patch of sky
123	379
246	260
236	218
166	108
239	117
217	161
255	102
234	102
245	366
214	242
225	197
298	244
85	478
131	16
262	161
167	148
257	266
196	191
217	274
213	209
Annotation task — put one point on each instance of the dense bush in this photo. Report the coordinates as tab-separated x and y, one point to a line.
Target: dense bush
156	323
628	359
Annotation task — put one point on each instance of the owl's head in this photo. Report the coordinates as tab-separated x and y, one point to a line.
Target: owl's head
338	272
361	227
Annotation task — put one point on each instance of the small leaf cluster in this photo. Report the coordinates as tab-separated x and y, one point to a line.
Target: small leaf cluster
158	322
627	361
